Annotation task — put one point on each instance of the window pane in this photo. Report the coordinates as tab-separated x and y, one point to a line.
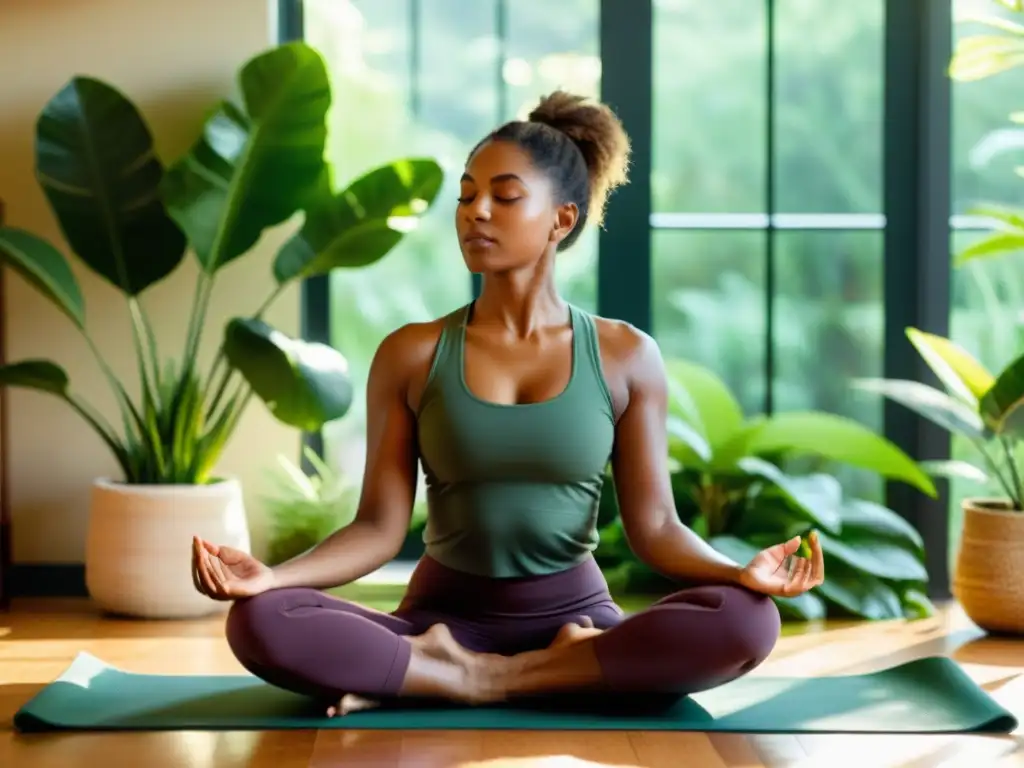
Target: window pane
547	52
986	319
709	306
709	106
432	91
829	330
368	46
829	81
986	145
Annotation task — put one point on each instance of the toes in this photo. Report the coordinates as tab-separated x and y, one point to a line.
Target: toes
350	703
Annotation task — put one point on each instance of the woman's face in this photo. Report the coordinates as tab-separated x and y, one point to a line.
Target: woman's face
508	214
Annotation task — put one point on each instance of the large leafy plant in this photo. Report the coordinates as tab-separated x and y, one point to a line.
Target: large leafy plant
258	162
731	487
985	409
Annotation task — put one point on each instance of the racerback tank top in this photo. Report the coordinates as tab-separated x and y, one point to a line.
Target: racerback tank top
513	490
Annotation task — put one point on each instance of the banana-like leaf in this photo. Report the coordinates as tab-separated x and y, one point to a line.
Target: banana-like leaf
805	607
934	404
361	224
839	439
881	557
720	413
960	373
859	593
981	56
1001	406
994	244
685	444
45	268
304	384
863	519
916	604
817	496
954	468
254	168
96	164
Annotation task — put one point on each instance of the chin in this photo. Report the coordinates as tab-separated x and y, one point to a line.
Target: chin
478	263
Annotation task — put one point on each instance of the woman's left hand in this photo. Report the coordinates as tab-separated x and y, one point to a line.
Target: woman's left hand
770	571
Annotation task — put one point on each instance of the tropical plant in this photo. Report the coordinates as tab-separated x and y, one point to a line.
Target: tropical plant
306	508
985	409
256	164
731	486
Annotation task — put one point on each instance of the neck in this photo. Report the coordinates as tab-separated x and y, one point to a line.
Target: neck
521	301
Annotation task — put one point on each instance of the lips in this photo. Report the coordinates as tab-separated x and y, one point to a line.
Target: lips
477	238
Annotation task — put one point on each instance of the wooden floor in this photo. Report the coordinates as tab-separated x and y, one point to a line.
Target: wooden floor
40	638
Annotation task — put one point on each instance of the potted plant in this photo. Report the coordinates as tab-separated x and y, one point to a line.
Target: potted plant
985	410
258	162
732	486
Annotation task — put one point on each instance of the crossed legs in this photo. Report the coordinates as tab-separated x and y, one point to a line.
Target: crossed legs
312	643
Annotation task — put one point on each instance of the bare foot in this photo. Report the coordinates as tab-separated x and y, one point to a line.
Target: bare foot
350	703
442	667
574	633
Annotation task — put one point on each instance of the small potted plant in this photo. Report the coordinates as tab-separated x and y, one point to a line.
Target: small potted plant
257	164
988	411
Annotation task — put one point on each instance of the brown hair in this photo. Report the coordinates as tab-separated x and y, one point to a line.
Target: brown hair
581	144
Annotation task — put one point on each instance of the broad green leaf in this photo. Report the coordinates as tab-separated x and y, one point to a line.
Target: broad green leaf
254	168
859	593
954	468
720	412
96	164
41	375
934	404
1001	406
1009	218
766	514
960	373
304	384
839	439
805	607
363	223
981	56
685	444
739	551
916	604
45	268
817	496
863	519
995	244
883	558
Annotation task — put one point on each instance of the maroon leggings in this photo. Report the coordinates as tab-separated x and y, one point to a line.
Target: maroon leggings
312	643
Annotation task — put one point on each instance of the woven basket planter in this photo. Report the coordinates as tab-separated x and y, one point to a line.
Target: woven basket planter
988	580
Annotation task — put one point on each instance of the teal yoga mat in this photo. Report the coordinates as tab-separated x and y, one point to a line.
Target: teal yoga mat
931	695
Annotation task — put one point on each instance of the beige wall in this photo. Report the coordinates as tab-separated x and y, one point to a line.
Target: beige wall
172	57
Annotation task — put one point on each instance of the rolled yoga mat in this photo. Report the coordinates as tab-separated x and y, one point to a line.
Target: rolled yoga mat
930	695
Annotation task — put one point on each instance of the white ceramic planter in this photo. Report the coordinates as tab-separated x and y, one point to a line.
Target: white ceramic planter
139	545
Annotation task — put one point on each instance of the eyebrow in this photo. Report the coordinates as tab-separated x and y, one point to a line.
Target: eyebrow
499	177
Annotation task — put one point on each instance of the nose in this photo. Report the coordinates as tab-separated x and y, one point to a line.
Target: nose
479	209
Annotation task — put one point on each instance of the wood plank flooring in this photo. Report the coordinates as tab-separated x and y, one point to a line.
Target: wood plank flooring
40	637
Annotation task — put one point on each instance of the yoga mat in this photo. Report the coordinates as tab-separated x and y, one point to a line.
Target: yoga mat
930	695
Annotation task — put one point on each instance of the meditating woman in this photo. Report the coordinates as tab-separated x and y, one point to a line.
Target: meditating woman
515	404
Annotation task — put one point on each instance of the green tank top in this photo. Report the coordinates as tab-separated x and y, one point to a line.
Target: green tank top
513	490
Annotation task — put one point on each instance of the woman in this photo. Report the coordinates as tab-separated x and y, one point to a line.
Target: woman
514	404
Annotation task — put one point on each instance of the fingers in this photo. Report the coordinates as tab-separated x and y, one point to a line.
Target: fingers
817	560
211	578
799	579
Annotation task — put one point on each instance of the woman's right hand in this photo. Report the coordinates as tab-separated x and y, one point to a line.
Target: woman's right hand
226	573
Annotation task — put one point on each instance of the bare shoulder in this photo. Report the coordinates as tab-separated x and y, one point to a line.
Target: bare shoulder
631	361
402	361
628	350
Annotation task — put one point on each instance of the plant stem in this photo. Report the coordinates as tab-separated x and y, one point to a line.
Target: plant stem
218	396
105	431
1014	474
204	285
147	328
268	301
993	468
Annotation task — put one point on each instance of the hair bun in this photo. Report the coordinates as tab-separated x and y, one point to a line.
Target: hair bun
599	134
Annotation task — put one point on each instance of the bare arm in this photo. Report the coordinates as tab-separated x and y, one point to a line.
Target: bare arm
376	534
640	465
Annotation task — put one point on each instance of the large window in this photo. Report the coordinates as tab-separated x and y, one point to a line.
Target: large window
433	77
779	222
767	199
